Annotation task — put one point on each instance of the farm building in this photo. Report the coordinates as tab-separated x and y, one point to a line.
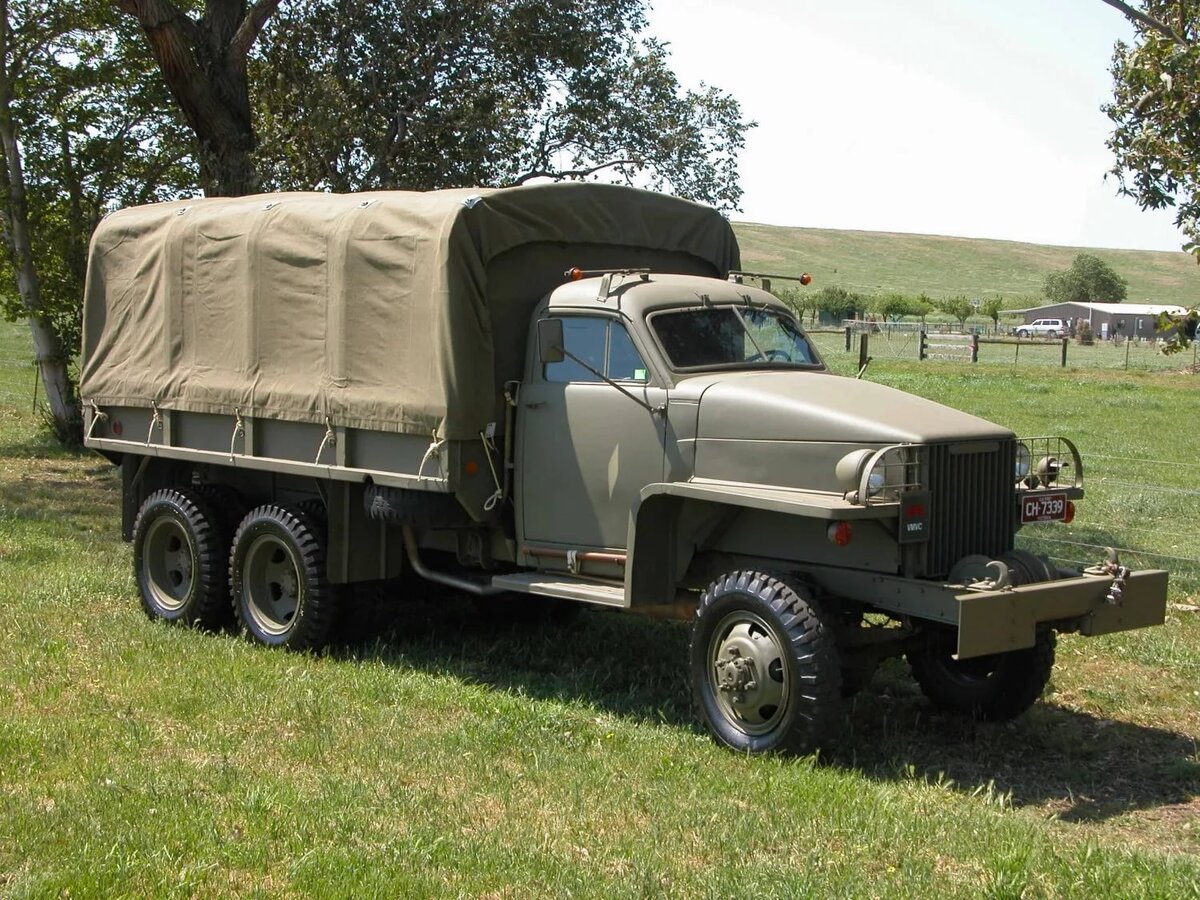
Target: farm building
1131	320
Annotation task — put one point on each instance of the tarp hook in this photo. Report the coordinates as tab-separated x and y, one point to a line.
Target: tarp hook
239	429
434	452
329	440
155	422
97	416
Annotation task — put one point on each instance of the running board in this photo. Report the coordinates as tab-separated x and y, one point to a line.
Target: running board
562	586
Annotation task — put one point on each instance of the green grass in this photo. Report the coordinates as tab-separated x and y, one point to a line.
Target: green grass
455	759
867	262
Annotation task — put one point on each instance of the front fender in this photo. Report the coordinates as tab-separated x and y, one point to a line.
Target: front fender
669	514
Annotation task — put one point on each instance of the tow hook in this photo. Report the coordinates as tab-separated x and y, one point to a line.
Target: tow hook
1112	567
1119	572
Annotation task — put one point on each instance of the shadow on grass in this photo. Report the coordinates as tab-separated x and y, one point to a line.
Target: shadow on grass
1072	764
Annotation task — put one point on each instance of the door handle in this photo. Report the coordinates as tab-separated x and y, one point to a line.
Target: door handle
535	404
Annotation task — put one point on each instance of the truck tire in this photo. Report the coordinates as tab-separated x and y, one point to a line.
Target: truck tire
989	688
765	671
277	571
180	559
229	508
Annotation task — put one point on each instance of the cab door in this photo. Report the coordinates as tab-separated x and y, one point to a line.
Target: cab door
586	449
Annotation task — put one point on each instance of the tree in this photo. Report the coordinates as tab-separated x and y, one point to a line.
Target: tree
204	63
1088	280
799	301
1156	111
840	303
83	130
992	307
959	307
420	94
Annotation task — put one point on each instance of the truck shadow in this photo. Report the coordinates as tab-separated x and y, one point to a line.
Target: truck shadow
1070	764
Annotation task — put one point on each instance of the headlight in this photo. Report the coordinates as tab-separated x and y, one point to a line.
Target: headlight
879	475
849	468
1024	461
875	483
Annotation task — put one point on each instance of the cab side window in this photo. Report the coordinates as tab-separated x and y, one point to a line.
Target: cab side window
604	345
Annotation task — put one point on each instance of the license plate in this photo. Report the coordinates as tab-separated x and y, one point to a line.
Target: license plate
1043	508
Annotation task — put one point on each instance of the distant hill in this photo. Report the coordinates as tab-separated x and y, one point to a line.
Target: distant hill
870	261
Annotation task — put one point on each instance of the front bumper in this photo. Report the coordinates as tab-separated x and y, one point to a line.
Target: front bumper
997	621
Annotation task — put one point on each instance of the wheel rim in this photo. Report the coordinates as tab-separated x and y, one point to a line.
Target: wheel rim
271	584
168	564
747	672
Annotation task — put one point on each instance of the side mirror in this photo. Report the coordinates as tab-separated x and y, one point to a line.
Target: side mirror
550	340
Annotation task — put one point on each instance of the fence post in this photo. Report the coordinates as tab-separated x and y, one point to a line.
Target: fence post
847	338
923	353
1065	341
975	347
862	350
1127	343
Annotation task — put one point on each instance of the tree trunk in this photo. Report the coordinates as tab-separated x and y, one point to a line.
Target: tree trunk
51	356
204	64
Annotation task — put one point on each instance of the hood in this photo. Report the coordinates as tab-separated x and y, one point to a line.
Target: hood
818	407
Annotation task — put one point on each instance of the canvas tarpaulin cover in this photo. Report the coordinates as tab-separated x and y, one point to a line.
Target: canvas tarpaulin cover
369	310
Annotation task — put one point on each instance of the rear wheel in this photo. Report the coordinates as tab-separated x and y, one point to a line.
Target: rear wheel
179	559
765	671
990	688
277	570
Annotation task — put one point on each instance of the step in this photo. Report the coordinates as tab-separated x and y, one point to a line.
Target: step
563	586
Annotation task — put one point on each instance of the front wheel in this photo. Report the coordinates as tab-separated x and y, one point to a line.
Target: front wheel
1022	333
277	572
765	671
990	688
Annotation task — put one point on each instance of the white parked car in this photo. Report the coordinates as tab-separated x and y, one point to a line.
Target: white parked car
1043	328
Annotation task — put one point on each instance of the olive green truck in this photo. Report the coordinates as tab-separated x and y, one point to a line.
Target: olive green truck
568	391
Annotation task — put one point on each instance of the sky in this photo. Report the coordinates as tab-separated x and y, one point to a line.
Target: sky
975	118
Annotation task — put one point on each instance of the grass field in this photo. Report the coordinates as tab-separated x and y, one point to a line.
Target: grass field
867	262
453	758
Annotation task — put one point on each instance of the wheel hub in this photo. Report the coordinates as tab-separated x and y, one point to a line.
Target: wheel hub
735	674
748	673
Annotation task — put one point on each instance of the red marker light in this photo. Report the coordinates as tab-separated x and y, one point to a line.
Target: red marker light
1069	516
840	533
806	278
471	467
575	273
117	428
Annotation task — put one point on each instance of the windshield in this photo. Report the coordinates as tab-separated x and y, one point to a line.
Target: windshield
729	336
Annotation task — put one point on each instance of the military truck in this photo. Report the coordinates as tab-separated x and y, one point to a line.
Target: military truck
565	391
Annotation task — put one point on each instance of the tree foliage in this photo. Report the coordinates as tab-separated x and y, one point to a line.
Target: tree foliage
420	94
992	307
1088	280
960	307
86	127
1155	110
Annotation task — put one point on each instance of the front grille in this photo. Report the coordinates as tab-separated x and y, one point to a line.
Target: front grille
972	502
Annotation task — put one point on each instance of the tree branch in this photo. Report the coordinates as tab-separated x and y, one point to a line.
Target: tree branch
248	32
571	173
159	13
1136	15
